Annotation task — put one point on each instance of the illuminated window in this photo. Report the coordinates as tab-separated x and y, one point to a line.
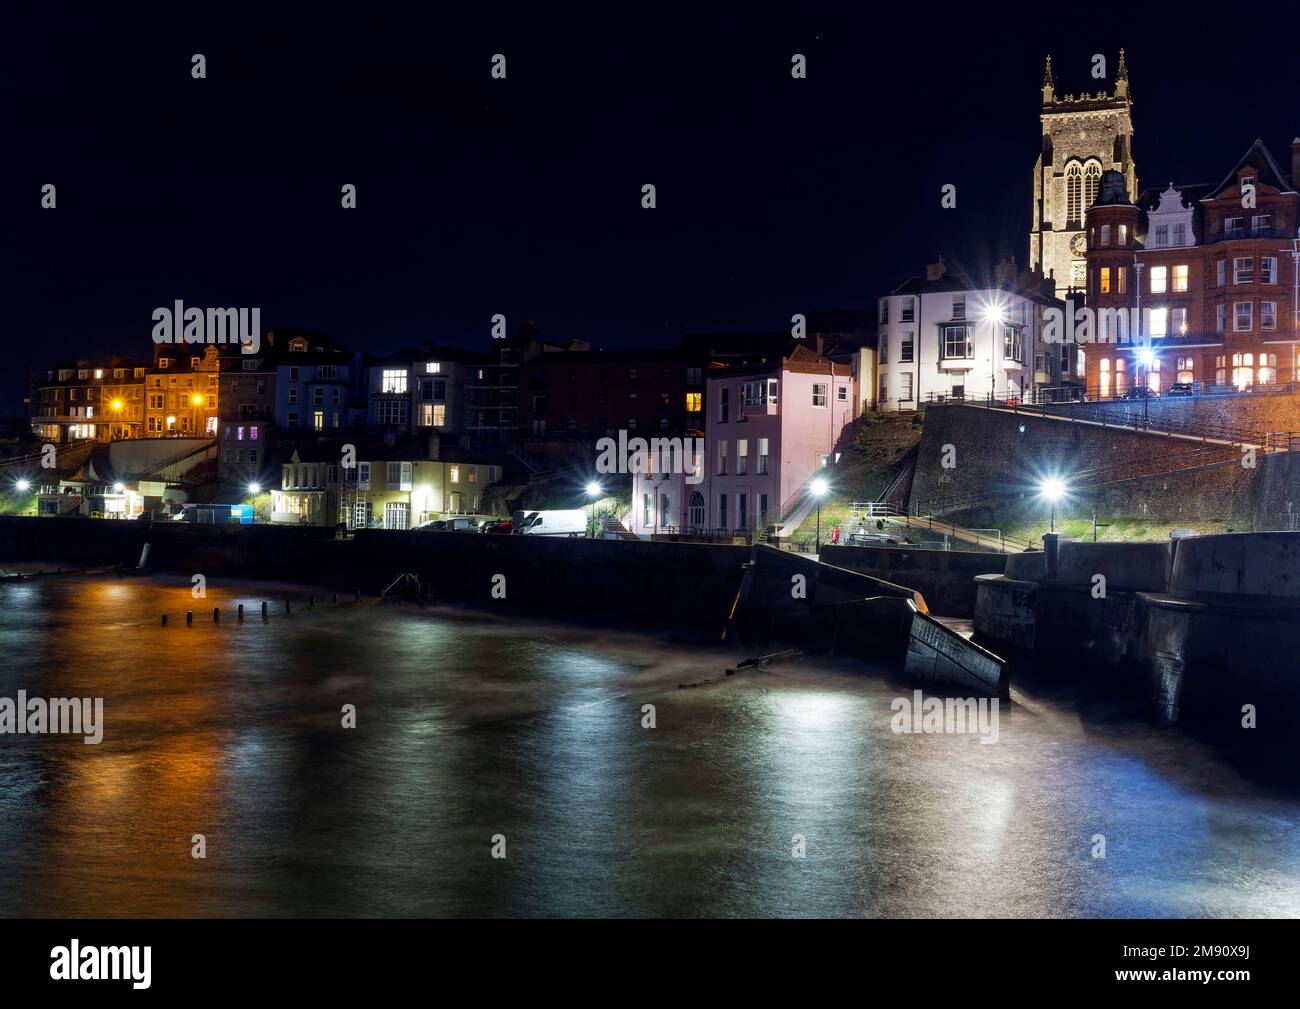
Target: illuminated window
1104	286
1159	279
1159	322
1180	278
394	380
694	402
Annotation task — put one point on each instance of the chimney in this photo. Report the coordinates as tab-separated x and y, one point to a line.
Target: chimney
934	271
1295	163
1005	274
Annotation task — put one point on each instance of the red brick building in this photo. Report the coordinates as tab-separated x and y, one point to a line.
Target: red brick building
1196	283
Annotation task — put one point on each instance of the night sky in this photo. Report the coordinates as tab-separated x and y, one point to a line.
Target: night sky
522	196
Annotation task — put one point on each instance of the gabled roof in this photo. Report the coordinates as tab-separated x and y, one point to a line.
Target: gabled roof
1258	157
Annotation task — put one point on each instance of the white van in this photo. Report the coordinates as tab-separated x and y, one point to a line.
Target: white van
568	522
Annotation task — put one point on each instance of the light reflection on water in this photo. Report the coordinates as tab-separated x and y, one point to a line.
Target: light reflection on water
470	727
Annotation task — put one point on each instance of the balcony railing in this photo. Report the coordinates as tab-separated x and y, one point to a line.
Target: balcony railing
1242	234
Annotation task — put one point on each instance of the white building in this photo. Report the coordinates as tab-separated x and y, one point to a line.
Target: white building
947	336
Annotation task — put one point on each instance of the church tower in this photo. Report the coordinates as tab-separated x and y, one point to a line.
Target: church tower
1083	136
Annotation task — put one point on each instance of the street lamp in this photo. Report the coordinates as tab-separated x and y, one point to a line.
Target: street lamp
1053	489
255	488
819	488
22	486
1146	358
593	491
994	315
118	488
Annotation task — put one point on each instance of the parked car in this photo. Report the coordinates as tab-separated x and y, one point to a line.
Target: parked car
499	528
570	522
451	525
1141	392
1186	389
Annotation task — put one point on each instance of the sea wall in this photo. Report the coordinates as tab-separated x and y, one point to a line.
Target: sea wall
999	458
946	578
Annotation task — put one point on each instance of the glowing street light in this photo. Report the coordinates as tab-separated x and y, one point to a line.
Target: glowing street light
1053	489
117	404
118	488
820	488
23	486
995	314
255	488
196	399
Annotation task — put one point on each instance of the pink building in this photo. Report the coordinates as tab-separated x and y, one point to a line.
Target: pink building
770	428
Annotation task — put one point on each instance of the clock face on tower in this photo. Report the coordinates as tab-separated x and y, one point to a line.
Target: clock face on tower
1079	244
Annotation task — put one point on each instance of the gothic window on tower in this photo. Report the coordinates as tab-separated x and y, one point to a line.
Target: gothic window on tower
1074	193
1091	180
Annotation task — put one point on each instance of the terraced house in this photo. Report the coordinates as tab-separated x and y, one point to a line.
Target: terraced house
394	484
1201	281
84	401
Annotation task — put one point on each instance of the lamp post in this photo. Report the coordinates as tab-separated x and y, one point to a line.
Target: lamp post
1053	489
819	488
1146	357
593	492
995	316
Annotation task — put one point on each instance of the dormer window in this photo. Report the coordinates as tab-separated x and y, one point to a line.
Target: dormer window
959	307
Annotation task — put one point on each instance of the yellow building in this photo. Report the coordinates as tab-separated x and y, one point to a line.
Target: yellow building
181	393
390	487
